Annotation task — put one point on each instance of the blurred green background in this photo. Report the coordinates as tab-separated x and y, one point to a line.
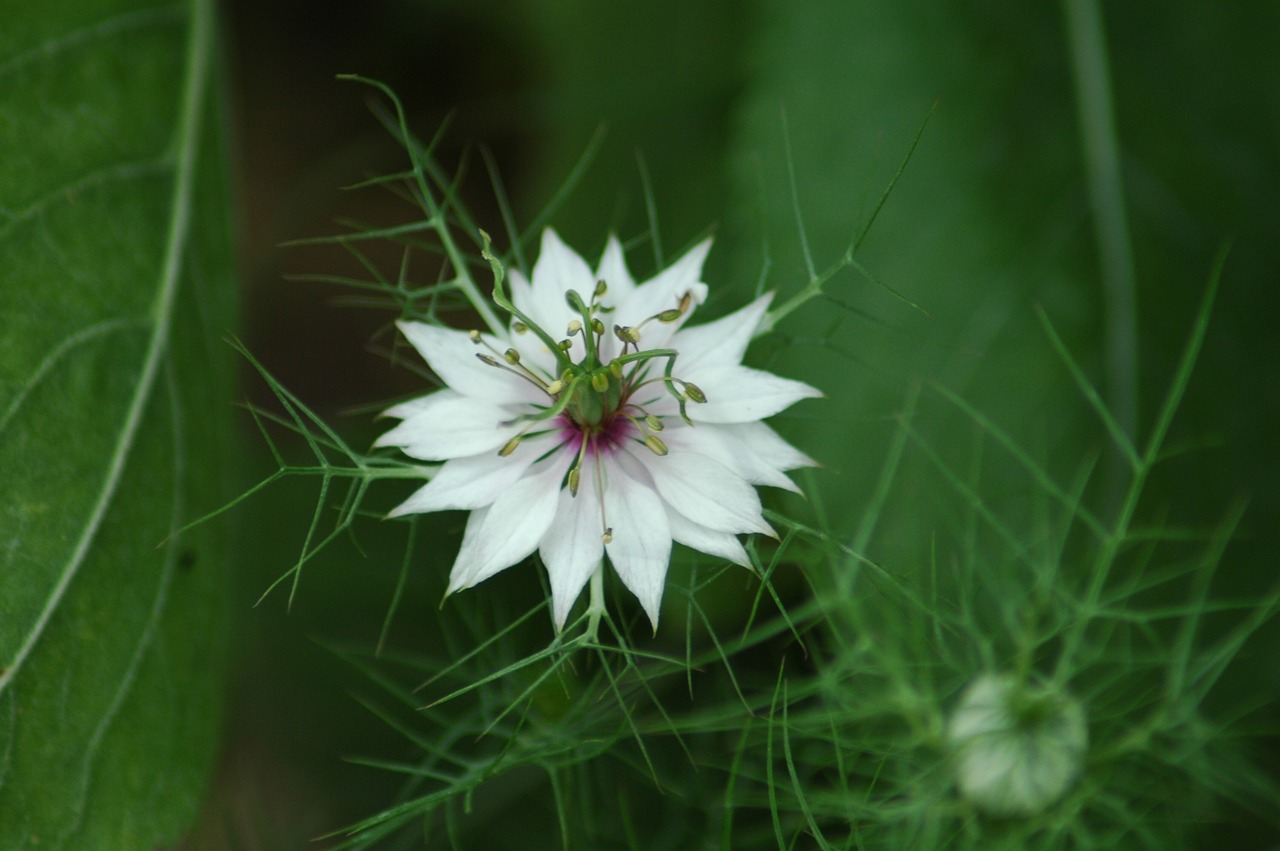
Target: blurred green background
990	219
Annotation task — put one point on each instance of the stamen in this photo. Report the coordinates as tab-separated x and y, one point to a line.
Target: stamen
655	445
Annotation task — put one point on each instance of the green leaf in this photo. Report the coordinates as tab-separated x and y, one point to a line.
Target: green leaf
115	291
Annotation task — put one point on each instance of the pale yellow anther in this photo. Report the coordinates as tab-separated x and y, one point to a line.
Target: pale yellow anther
653	422
574	327
601	288
669	315
655	445
474	336
694	393
519	327
600	381
607	537
555	387
575	476
509	446
489	359
597	327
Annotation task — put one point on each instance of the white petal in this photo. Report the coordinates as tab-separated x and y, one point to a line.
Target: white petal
613	271
705	540
558	270
471	482
452	356
640	548
722	342
513	526
739	394
769	446
705	491
447	425
663	292
573	547
721	444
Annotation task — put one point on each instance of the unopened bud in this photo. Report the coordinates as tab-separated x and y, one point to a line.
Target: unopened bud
1018	746
509	446
512	356
694	393
655	445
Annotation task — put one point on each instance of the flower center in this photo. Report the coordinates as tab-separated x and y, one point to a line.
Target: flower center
591	400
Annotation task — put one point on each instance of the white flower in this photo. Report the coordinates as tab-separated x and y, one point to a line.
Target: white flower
598	425
1018	747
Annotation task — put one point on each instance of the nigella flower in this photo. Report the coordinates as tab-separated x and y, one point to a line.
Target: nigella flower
597	425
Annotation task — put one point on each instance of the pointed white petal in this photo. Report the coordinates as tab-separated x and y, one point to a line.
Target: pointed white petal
613	271
467	551
704	540
705	491
447	425
558	270
663	292
739	394
769	446
471	482
452	356
640	548
515	524
721	444
573	547
722	342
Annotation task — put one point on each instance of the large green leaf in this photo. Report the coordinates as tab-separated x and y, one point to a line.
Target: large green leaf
115	289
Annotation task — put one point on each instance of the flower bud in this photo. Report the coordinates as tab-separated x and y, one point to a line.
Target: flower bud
1018	747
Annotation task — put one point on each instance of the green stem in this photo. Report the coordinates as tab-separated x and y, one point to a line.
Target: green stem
1106	196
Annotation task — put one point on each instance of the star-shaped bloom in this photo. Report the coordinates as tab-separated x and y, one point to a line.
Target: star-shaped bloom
598	425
